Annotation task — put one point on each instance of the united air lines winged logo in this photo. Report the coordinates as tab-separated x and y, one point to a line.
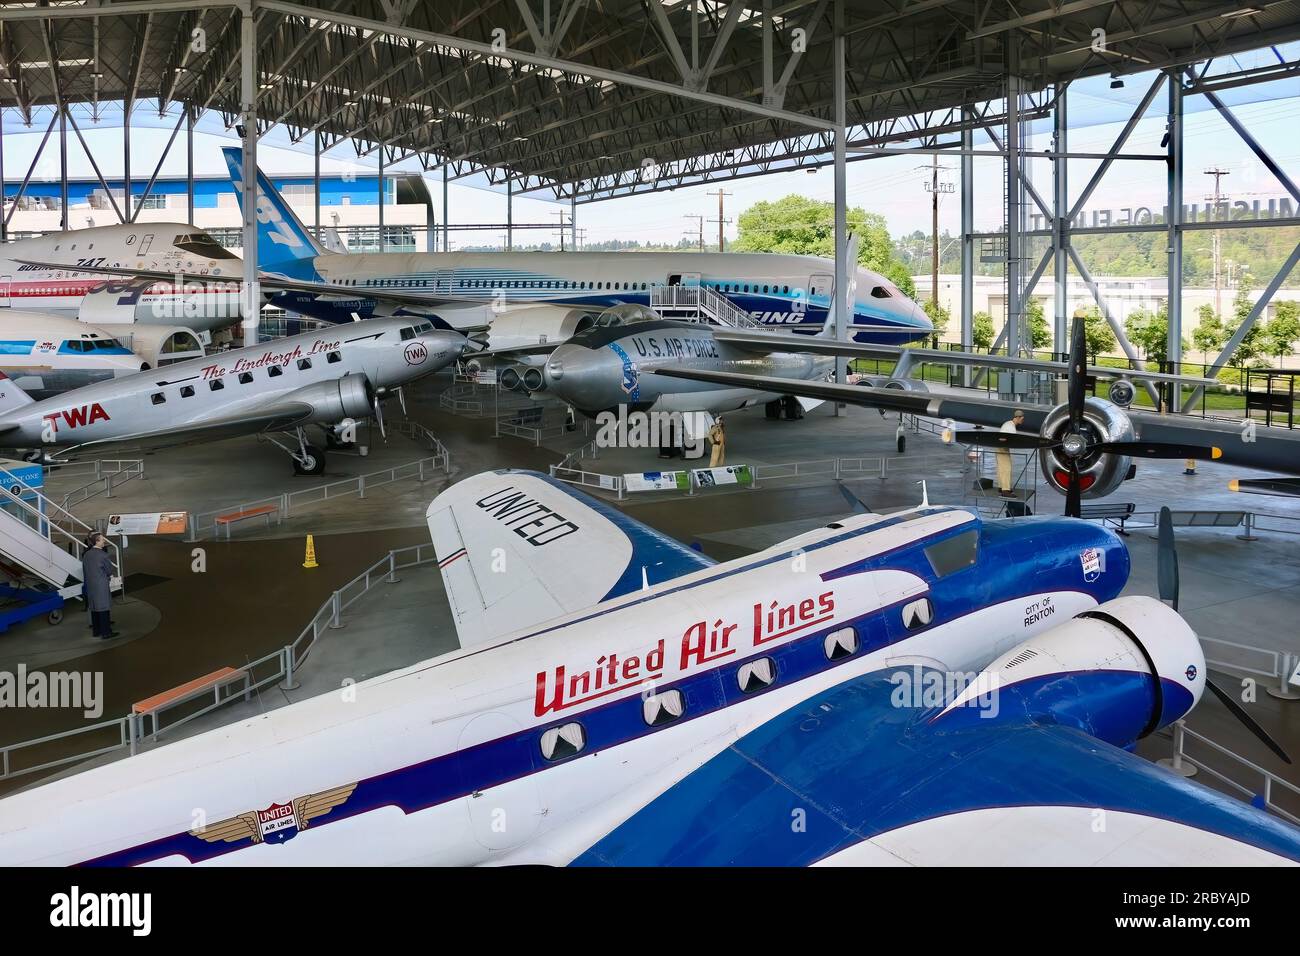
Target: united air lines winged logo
279	822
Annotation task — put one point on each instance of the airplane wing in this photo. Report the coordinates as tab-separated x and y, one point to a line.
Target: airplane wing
850	778
268	281
517	548
784	341
1276	449
279	417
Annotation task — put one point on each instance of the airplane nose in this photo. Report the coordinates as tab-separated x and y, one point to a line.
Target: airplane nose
589	379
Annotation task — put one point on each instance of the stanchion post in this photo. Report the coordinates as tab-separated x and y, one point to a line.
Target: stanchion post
1248	535
336	607
289	683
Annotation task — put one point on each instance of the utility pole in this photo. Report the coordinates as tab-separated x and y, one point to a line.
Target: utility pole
934	188
721	221
1216	249
561	227
699	220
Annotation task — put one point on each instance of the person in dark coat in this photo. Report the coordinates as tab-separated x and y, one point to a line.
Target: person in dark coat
96	574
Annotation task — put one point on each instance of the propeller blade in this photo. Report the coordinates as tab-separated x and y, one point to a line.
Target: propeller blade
1073	494
1159	449
1166	559
379	417
1246	720
401	398
1003	440
1286	487
1078	376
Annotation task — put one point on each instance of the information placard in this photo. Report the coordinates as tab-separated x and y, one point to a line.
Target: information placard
151	522
656	481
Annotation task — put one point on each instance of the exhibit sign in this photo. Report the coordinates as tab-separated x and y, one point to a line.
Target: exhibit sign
152	522
657	481
726	475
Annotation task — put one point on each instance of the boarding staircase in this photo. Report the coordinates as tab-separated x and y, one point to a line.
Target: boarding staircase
43	540
697	303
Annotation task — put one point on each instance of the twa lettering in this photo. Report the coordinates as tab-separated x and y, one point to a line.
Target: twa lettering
79	416
701	644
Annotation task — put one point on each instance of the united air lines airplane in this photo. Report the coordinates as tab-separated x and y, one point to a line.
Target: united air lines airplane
566	291
328	378
907	689
45	354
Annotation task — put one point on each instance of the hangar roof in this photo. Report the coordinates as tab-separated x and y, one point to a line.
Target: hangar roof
594	98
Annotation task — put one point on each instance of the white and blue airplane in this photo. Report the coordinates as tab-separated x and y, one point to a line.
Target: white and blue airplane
566	291
618	698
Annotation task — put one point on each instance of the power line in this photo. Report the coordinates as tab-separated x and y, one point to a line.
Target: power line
721	221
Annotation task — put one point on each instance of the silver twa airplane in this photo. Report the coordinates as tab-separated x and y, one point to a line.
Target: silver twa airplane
325	378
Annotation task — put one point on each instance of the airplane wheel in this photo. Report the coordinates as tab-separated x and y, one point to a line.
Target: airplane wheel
772	409
313	462
55	616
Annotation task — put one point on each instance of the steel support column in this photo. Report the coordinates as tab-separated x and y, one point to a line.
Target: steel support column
4	220
510	215
252	298
382	245
1125	345
967	245
1060	223
446	231
843	301
1174	220
1013	210
189	161
65	224
315	181
573	223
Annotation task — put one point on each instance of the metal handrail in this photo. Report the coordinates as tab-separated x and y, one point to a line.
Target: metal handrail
50	523
1269	779
127	468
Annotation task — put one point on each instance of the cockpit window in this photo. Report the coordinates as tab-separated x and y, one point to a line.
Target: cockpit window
201	244
953	554
880	292
408	333
107	344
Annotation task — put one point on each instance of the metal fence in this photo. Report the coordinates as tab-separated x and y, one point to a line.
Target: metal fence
108	474
277	668
1269	783
204	522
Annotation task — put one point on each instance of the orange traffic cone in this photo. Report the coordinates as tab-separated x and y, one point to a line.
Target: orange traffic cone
309	561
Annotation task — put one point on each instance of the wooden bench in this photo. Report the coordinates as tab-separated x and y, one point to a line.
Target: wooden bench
1116	512
216	682
234	517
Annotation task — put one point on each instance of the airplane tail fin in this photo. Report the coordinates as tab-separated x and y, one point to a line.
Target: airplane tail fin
837	301
11	396
281	236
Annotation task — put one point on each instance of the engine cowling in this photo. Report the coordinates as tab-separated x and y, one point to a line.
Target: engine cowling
1119	672
351	396
158	345
538	324
899	384
1099	473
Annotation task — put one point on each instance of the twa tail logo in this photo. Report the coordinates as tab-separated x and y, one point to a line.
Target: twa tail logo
80	416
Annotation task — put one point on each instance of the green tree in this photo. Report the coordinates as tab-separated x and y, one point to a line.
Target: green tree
1040	333
937	313
1097	333
1149	331
797	225
1279	336
1209	334
981	330
1251	347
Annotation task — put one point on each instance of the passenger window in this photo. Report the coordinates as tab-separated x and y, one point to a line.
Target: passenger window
563	741
274	371
157	398
332	357
664	708
955	553
245	378
756	675
304	364
216	385
918	614
187	391
841	644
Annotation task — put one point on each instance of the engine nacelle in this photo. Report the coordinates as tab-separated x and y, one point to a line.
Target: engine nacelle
1099	474
538	324
522	378
1119	672
351	396
158	345
899	384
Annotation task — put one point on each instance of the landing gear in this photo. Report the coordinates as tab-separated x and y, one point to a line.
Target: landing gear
786	407
307	459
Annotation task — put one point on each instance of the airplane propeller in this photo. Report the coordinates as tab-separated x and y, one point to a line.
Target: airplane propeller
1167	584
379	417
1283	487
1076	444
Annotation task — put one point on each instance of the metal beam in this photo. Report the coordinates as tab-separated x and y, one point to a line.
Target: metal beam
1120	140
252	301
1174	249
1120	336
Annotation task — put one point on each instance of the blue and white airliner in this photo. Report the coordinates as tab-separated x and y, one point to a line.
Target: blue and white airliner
921	688
470	289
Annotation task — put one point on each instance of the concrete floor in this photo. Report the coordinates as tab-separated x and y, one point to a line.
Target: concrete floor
175	630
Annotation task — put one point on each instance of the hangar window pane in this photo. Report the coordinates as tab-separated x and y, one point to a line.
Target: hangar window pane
756	675
563	741
245	378
187	391
841	644
157	398
664	708
216	385
955	553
